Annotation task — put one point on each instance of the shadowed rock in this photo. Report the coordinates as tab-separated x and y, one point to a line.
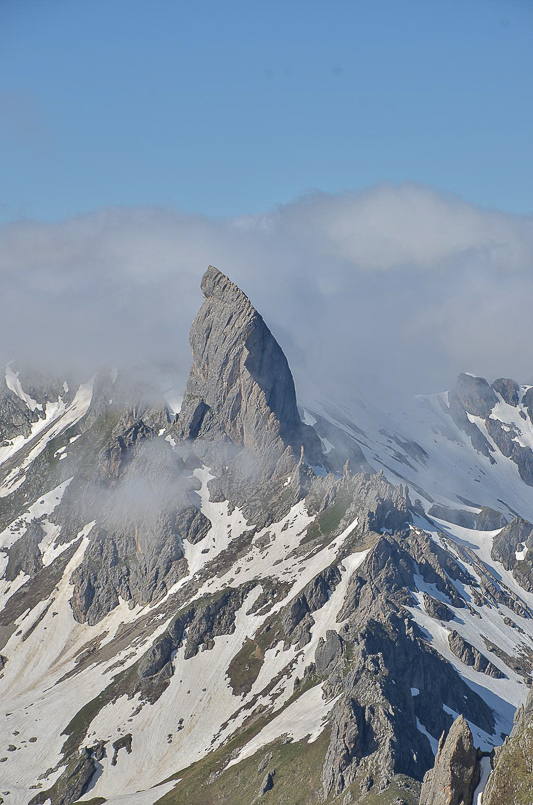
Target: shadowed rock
470	655
72	783
437	609
508	389
513	547
453	779
511	780
475	395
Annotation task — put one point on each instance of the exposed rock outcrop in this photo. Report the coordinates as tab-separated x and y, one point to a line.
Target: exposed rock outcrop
508	389
240	387
486	519
24	555
140	493
367	499
267	784
511	781
453	779
72	783
527	402
378	716
471	656
474	395
513	547
239	408
437	609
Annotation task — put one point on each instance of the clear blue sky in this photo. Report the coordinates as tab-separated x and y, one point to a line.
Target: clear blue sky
227	108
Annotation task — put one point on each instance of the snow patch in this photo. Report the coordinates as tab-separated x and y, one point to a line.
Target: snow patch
13	384
304	718
434	743
485	770
521	553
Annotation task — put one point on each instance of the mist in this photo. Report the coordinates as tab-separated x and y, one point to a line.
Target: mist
400	287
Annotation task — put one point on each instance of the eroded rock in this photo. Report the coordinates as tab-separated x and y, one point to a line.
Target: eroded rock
455	775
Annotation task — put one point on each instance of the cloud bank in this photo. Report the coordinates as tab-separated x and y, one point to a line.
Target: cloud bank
399	285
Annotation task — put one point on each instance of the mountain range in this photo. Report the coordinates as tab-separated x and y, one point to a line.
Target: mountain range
252	597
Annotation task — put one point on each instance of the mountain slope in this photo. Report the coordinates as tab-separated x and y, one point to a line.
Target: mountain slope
233	603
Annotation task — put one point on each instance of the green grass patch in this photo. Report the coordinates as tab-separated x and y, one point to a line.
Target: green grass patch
328	520
77	728
512	778
93	801
296	766
245	667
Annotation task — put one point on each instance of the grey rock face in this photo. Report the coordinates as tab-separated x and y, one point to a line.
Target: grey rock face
460	517
267	784
240	388
114	565
122	743
24	555
327	651
437	609
472	395
385	506
375	720
453	779
470	655
489	519
475	395
352	739
504	437
140	493
193	524
485	520
16	418
367	498
73	782
508	389
296	617
479	442
511	780
517	537
197	626
527	402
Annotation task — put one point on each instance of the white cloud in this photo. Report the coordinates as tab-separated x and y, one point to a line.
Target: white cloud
402	283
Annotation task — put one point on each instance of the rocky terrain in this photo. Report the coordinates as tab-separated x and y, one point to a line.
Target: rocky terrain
259	599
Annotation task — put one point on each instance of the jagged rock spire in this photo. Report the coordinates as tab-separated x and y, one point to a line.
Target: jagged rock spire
454	777
240	388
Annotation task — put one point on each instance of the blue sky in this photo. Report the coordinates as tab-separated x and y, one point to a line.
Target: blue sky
227	109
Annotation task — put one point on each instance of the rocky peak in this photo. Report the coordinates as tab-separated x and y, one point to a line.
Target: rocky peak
508	389
240	388
474	394
454	777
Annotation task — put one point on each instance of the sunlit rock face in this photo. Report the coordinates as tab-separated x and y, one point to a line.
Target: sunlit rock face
240	387
251	599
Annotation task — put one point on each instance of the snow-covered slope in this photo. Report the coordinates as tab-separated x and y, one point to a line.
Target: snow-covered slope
239	594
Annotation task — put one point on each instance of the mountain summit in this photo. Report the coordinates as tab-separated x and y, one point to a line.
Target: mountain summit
240	387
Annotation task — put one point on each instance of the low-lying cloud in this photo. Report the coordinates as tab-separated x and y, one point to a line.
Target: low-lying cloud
403	286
